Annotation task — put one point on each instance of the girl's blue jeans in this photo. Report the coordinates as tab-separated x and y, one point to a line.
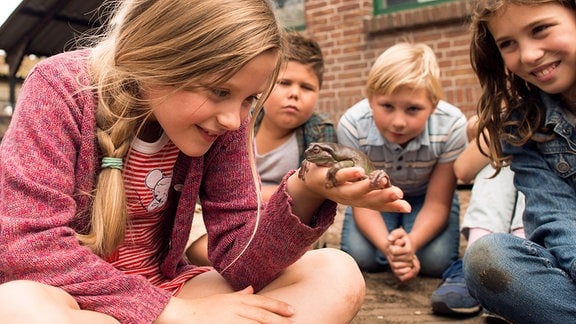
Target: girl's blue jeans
519	280
434	257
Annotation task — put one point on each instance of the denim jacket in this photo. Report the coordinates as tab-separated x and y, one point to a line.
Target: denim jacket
546	173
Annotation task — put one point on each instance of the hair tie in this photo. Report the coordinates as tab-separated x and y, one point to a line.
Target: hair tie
111	163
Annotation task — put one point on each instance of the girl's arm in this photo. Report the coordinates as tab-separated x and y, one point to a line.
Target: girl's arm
436	209
470	162
549	217
251	248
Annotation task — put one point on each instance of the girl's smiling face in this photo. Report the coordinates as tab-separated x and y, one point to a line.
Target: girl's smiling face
193	120
538	44
402	115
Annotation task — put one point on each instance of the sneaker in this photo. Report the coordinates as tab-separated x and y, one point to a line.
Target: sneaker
452	296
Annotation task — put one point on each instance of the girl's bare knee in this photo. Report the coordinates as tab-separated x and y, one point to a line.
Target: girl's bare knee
346	270
17	291
33	302
341	272
16	298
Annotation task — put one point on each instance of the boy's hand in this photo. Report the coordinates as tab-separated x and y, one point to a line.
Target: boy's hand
401	255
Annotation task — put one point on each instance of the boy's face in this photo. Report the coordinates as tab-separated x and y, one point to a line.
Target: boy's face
401	116
292	100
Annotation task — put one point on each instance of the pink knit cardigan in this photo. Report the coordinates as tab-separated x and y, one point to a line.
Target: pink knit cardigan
48	161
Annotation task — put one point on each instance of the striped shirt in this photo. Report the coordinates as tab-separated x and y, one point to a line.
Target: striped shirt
49	159
147	178
409	166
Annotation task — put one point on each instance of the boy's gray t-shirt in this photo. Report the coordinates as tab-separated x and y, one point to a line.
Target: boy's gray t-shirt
274	165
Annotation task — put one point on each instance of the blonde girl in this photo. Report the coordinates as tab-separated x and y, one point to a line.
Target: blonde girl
108	150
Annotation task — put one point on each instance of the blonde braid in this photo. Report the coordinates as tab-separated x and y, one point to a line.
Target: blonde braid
118	119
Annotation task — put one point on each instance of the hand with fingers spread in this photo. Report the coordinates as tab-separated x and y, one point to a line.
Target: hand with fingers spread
352	187
240	307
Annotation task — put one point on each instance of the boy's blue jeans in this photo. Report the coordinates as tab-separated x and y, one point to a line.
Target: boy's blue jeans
434	257
519	280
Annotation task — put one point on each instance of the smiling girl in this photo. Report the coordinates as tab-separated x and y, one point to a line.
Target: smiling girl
524	53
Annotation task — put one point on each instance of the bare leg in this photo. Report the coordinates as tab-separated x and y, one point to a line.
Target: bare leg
197	252
32	302
324	286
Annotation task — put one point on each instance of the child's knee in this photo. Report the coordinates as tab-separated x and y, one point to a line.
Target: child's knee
50	304
17	298
341	267
13	291
434	264
345	273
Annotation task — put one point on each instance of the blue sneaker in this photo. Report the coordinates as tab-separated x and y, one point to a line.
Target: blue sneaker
452	296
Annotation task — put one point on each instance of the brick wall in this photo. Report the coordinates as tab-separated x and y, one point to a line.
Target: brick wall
352	37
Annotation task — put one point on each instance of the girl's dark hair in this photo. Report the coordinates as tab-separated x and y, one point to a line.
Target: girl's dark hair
509	108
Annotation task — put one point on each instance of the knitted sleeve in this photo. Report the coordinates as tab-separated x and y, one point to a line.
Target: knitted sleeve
47	166
247	248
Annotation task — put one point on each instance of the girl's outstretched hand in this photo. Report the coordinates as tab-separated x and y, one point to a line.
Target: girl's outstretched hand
352	189
239	307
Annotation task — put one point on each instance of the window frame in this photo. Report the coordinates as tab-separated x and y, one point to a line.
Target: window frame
379	8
